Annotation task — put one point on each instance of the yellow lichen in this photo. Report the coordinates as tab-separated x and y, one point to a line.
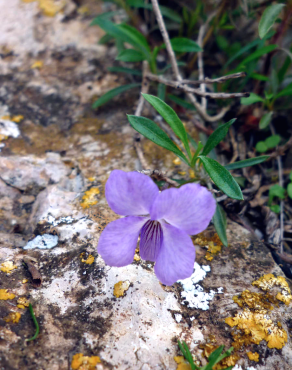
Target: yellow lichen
49	7
120	288
89	260
253	356
182	173
24	281
22	302
91	179
182	364
176	161
81	362
192	174
252	300
17	118
255	327
89	198
213	244
8	267
267	282
4	295
13	317
136	257
37	64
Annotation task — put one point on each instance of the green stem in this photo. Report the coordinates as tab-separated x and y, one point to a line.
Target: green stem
200	146
35	323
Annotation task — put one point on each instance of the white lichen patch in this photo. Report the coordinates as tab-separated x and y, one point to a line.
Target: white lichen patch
178	317
61	220
193	294
57	291
9	128
46	241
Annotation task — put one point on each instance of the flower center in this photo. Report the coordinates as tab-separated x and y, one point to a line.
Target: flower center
150	240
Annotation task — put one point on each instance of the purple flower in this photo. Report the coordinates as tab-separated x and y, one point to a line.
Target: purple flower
164	220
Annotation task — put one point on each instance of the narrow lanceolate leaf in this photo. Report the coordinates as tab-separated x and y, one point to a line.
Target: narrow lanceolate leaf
217	136
253	98
268	18
112	93
257	54
131	71
285	92
130	55
246	163
265	120
171	118
151	131
125	33
220	223
184	45
222	178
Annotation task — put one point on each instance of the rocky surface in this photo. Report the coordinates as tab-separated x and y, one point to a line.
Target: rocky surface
53	209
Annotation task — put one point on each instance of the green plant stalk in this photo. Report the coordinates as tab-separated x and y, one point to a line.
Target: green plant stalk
35	323
200	146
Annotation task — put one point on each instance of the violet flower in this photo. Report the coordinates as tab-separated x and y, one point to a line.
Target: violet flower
164	220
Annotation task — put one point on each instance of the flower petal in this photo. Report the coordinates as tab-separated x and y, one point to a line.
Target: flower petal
177	256
130	193
150	240
189	208
118	241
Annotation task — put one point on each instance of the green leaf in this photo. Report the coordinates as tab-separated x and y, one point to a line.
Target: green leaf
105	39
194	159
220	223
272	141
243	50
268	18
103	16
193	142
166	12
253	98
289	190
268	96
217	136
283	70
276	191
171	118
246	163
265	120
214	356
259	77
275	208
125	33
130	55
151	131
181	102
112	93
131	71
261	147
184	45
222	178
161	91
257	54
285	92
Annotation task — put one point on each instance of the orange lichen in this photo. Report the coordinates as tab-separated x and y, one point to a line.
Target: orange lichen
89	198
231	360
91	179
13	317
89	260
182	364
267	282
37	64
4	295
22	302
136	257
17	118
120	288
213	244
8	267
253	356
81	362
